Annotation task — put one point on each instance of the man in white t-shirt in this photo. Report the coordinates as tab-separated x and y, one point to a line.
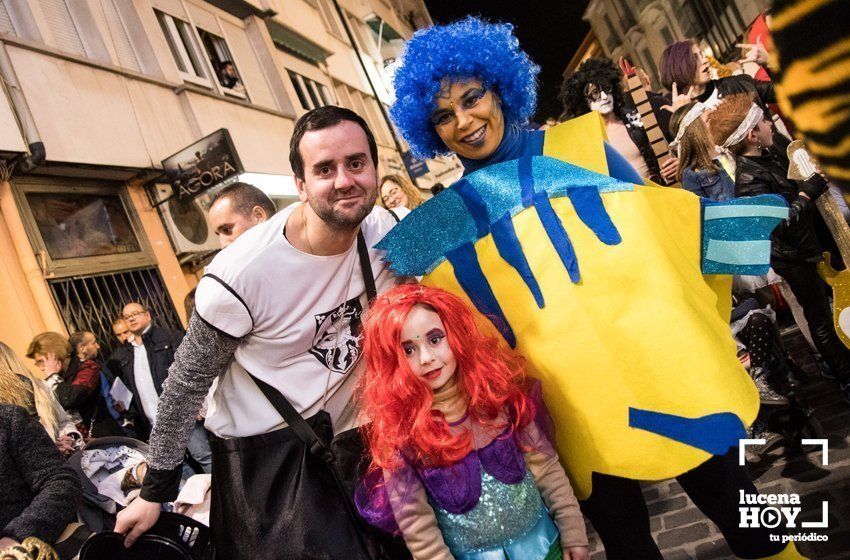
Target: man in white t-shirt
282	304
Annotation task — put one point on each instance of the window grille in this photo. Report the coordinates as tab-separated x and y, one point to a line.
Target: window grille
62	27
91	303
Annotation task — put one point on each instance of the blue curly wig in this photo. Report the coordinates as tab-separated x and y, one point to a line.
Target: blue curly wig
469	48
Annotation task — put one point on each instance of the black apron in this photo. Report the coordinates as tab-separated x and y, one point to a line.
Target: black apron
289	494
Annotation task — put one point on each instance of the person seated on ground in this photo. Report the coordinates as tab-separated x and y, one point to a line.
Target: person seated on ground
74	382
739	125
597	86
18	386
398	192
40	492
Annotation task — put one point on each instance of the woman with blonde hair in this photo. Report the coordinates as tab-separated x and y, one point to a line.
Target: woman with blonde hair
396	191
18	386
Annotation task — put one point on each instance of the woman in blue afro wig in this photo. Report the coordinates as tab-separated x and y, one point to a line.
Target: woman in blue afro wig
467	49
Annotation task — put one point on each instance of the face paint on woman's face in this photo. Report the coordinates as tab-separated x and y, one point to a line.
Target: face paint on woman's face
468	119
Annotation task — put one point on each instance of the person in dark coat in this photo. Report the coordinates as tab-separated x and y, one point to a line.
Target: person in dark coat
142	365
40	493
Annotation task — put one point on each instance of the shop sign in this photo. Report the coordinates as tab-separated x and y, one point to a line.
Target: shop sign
415	167
205	164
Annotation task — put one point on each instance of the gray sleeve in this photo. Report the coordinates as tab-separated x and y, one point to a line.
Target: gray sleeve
203	355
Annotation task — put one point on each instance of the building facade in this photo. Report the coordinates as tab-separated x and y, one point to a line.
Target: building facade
99	92
641	29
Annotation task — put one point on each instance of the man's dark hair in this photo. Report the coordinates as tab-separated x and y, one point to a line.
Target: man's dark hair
325	117
78	338
600	71
243	197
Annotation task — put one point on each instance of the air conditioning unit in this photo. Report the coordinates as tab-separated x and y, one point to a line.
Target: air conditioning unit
187	222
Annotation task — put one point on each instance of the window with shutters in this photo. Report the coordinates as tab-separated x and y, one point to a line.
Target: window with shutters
184	48
6	25
118	36
63	29
330	18
311	94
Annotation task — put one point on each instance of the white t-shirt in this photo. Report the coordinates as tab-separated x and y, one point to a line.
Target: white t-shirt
148	397
298	316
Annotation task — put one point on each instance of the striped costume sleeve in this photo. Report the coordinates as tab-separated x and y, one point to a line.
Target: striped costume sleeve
736	233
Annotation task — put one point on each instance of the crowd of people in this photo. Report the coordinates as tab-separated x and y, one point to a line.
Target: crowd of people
369	375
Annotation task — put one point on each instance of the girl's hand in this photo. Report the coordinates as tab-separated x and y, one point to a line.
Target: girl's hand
576	553
51	365
679	100
670	169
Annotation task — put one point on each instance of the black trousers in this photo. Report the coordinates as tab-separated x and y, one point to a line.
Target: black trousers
811	292
618	511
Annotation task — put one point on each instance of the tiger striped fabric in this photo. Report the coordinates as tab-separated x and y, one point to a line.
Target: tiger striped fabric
813	49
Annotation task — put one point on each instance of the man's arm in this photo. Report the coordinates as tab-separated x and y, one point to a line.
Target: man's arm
203	355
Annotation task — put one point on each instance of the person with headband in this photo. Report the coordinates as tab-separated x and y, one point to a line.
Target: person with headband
740	126
704	169
582	268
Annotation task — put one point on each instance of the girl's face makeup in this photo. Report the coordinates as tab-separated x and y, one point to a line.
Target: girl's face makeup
423	340
468	119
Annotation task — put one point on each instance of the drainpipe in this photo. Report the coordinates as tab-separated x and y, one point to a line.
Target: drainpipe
29	161
383	109
9	209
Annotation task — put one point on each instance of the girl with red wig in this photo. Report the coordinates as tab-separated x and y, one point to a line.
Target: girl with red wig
459	467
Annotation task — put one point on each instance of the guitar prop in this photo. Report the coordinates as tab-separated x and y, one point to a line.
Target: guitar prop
801	168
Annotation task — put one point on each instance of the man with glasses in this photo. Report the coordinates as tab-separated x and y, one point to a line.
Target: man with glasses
143	366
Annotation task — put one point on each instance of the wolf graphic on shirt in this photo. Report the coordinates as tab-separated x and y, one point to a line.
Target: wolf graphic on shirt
337	342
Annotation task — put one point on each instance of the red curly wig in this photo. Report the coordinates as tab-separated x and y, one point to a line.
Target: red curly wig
398	405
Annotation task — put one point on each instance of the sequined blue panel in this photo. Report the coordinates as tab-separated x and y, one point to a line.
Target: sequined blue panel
504	512
419	243
736	233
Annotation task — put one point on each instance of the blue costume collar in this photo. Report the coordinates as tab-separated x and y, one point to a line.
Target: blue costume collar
515	143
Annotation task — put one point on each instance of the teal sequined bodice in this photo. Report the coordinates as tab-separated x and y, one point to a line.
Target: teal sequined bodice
504	512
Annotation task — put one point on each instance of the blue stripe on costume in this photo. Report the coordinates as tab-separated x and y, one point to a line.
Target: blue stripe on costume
736	233
714	433
620	168
471	278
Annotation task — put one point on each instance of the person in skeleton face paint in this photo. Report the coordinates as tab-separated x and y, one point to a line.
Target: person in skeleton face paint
596	86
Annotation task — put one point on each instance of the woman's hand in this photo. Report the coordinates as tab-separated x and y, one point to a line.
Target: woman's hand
65	445
755	53
576	553
52	365
670	169
679	99
136	519
7	542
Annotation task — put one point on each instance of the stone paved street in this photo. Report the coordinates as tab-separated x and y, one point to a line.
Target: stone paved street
682	532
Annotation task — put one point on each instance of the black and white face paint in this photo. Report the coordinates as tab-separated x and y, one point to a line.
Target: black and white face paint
598	99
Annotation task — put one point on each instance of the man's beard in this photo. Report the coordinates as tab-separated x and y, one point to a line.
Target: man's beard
338	220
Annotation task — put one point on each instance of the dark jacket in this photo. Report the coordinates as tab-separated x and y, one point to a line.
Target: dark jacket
78	389
641	140
795	239
160	345
39	493
717	186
